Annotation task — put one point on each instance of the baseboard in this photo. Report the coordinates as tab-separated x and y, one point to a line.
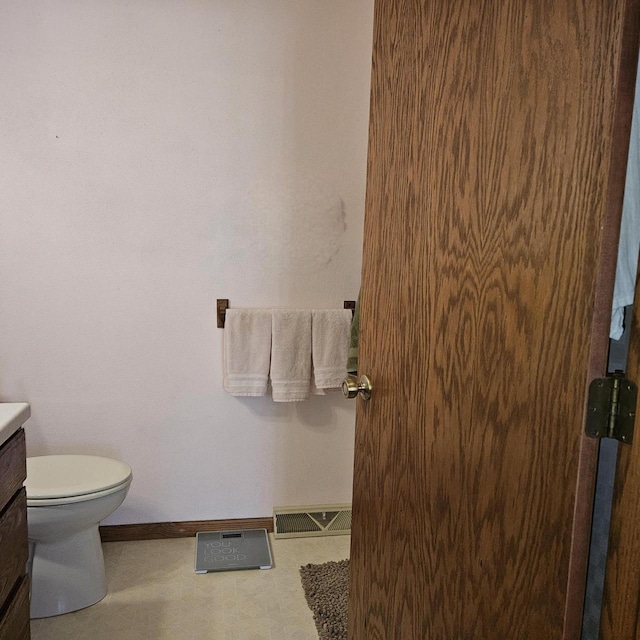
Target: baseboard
160	530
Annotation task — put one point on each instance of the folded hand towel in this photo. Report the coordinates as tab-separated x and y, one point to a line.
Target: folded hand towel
330	331
314	387
291	355
247	351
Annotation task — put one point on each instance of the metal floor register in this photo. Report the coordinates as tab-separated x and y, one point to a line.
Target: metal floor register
232	550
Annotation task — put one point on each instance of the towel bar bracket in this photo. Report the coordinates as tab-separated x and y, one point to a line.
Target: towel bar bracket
222	304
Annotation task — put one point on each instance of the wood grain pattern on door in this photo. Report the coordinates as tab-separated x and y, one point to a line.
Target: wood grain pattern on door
488	205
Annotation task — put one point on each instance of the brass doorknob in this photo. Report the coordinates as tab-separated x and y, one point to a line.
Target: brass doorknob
351	387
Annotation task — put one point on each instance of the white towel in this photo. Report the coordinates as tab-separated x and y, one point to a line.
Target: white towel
291	355
314	387
331	332
247	351
627	266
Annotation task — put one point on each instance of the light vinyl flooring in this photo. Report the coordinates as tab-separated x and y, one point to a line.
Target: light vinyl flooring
155	594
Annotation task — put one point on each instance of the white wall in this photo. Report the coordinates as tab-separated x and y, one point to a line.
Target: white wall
156	155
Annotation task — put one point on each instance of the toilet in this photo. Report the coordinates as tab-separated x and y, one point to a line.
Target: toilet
67	497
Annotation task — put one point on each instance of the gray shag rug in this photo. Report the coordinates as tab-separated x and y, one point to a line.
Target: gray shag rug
326	588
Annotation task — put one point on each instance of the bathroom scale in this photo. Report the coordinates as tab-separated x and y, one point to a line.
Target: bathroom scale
232	550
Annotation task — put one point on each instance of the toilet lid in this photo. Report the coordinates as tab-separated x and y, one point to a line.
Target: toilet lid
50	477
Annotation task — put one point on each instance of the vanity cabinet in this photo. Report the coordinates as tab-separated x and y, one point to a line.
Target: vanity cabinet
14	548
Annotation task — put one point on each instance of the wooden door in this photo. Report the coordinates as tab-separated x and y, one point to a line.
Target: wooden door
497	151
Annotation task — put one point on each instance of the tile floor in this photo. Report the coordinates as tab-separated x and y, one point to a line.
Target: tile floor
154	594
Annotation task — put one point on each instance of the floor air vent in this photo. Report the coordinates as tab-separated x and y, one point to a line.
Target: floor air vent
318	520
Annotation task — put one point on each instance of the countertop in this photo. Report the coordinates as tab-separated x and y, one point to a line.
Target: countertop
12	416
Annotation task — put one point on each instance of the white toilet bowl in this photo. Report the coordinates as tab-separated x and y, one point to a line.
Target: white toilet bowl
67	497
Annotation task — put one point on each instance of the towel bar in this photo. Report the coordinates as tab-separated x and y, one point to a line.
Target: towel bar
222	304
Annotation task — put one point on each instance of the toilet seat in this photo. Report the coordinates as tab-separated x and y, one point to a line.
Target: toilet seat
66	479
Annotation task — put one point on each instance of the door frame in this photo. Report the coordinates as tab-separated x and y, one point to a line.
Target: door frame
599	348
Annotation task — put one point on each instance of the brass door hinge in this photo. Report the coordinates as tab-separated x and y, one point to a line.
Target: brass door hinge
612	408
